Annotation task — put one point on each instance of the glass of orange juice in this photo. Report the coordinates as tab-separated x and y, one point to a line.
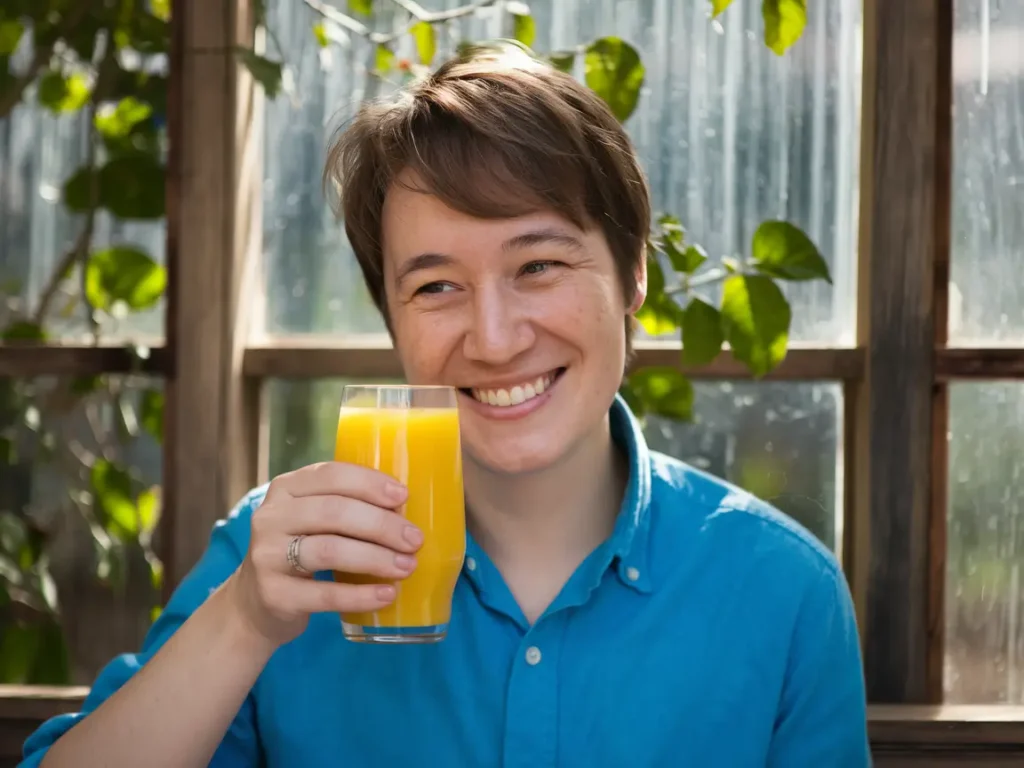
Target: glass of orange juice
412	434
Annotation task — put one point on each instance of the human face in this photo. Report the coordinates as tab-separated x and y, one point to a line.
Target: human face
524	315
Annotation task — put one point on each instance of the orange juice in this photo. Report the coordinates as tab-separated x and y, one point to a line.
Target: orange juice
420	447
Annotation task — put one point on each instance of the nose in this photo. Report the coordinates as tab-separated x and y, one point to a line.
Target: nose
500	329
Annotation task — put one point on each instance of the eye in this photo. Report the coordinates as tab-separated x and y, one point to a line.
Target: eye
538	267
433	288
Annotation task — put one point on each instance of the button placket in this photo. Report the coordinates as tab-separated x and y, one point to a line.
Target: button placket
531	707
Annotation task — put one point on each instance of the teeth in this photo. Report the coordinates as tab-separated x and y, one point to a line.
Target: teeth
516	395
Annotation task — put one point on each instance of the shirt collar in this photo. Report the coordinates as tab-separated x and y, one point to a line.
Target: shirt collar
630	539
626	550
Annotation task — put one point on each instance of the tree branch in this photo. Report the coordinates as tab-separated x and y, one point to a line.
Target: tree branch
418	13
11	96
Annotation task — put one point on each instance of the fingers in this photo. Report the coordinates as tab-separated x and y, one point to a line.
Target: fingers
351	518
339	479
304	596
336	553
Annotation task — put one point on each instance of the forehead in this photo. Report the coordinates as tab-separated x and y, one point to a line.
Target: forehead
415	221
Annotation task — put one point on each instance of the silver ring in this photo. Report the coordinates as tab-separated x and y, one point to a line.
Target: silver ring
293	554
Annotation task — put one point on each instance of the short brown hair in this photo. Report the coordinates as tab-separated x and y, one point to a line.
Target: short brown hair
493	133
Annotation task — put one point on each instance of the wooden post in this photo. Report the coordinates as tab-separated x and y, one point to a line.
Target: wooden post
212	419
905	178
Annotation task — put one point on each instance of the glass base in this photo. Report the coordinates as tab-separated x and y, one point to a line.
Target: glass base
394	635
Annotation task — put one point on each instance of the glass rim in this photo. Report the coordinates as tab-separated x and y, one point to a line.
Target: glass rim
422	387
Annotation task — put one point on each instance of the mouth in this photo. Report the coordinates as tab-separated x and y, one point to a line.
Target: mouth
517	399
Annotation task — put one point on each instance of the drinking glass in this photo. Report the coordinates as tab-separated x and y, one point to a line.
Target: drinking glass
412	434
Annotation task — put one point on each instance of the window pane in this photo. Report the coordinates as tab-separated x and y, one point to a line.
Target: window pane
730	134
780	441
39	151
984	605
79	497
986	303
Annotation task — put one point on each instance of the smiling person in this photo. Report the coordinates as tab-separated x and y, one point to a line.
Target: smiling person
616	606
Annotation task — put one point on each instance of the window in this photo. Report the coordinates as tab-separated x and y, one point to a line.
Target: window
985	643
890	134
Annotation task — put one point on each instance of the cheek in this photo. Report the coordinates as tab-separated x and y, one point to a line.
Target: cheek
423	344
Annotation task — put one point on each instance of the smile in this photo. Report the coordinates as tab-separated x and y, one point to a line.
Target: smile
523	392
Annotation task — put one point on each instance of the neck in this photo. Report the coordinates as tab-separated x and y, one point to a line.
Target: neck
556	515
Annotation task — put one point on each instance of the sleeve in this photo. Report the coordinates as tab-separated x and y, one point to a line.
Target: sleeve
228	544
822	717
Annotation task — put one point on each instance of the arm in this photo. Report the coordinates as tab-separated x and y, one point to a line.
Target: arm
185	699
200	659
822	718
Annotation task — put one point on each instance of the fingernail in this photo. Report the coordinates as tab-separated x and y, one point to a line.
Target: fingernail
386	592
396	491
413	535
405	562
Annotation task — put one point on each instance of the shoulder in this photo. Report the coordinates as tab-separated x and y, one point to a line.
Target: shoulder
693	507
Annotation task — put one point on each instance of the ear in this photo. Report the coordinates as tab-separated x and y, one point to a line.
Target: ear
640	295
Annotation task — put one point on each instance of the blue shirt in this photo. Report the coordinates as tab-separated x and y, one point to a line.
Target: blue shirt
708	630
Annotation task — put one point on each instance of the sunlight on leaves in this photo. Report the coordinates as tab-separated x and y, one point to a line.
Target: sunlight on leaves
426	42
755	319
784	22
613	70
63	94
782	250
659	391
123	274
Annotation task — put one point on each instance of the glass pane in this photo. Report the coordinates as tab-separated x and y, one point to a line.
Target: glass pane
984	603
39	152
986	302
782	442
80	467
730	134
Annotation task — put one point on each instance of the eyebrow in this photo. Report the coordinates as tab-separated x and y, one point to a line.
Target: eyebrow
425	261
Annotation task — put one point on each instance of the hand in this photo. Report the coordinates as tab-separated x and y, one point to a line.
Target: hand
346	514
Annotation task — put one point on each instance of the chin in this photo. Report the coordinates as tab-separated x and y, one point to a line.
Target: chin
505	456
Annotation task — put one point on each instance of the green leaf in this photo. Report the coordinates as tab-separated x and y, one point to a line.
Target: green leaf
784	22
148	505
10	35
78	190
426	43
524	29
85	385
362	7
161	9
52	661
132	186
23	330
659	313
672	242
118	121
123	273
717	6
384	60
63	94
18	653
113	498
755	318
782	250
563	61
659	391
151	412
269	74
612	68
702	333
320	33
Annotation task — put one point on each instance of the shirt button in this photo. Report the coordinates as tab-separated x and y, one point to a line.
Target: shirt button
471	563
632	574
533	655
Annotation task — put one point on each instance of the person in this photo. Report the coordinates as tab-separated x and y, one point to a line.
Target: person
616	607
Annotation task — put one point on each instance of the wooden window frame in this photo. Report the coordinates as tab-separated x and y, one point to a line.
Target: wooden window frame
895	379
